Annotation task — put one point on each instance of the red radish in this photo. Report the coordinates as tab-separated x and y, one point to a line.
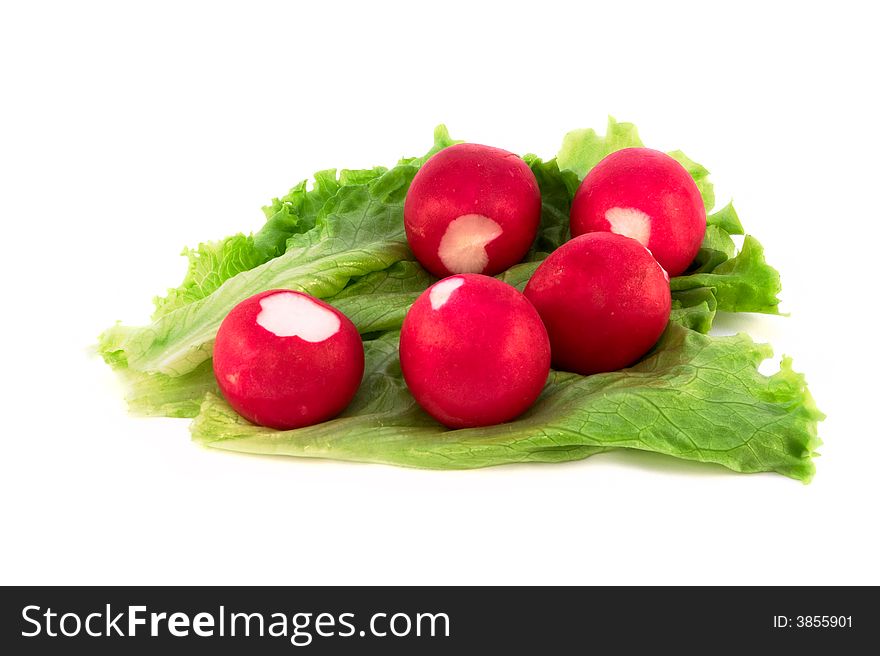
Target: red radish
472	209
604	300
647	195
284	360
473	351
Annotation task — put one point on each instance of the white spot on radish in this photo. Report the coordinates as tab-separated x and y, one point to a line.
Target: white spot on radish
463	246
441	292
630	222
286	314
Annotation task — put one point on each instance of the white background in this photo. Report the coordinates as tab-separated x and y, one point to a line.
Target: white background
130	131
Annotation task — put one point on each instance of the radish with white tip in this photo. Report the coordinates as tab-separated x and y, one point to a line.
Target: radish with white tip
472	209
473	351
647	195
284	359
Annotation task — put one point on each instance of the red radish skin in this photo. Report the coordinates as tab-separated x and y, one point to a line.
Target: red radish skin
473	351
472	209
285	360
647	195
604	300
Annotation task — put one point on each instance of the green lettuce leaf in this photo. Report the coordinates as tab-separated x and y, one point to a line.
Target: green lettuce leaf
744	283
379	301
359	231
727	219
696	398
160	395
210	265
298	211
717	247
581	150
213	263
556	195
694	309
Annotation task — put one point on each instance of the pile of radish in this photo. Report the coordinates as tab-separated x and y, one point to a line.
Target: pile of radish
474	351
